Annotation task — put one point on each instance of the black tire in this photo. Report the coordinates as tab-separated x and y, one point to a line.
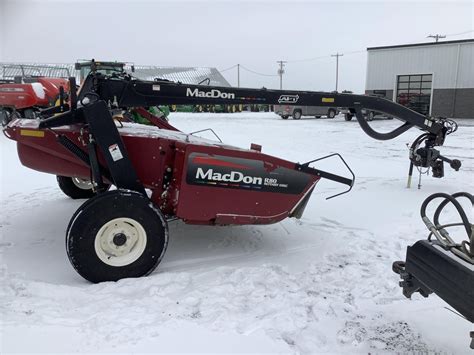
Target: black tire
317	116
85	236
71	189
348	116
15	114
331	113
7	116
297	114
4	117
284	117
29	113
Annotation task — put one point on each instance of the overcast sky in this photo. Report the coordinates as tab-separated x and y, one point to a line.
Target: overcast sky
223	33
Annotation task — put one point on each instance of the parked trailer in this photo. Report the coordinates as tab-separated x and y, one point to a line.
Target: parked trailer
286	111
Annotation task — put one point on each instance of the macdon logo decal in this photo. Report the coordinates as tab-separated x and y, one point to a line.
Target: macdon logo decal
288	99
214	93
229	172
236	177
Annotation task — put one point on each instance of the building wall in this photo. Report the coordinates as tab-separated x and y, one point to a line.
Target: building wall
451	65
455	103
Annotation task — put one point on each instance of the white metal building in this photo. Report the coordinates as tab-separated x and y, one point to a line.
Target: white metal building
433	78
186	75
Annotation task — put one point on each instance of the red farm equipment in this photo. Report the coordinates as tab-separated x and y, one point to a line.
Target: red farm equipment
26	96
188	178
27	89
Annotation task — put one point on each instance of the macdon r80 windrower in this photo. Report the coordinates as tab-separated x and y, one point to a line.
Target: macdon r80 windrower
123	233
162	174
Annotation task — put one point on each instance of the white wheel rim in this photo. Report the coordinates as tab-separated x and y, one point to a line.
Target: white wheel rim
109	239
83	184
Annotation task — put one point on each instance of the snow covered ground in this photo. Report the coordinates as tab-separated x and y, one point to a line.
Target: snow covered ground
320	284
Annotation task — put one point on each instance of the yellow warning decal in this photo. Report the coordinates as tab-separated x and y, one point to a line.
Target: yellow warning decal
31	133
328	99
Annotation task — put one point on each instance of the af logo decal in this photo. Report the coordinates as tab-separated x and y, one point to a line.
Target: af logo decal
288	99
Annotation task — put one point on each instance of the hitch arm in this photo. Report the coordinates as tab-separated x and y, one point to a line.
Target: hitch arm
131	92
329	176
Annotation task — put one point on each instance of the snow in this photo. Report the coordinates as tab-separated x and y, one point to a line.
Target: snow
320	284
39	90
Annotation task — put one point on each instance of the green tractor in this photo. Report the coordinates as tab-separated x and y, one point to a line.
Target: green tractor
107	68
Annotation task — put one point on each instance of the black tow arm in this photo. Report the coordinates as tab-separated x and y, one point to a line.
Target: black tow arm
130	92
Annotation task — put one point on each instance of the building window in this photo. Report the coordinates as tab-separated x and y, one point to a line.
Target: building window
414	92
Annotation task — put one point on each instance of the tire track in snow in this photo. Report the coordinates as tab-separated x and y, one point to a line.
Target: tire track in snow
291	307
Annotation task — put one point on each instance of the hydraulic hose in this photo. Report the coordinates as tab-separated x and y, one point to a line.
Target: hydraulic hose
443	204
377	135
447	199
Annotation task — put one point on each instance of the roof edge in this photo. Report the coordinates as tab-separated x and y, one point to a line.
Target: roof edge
422	44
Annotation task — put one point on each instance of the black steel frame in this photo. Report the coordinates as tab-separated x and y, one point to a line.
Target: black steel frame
99	93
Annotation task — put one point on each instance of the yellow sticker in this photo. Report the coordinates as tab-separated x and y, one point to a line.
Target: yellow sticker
31	133
328	99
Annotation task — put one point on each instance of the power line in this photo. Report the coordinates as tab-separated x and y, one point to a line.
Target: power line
337	55
459	34
257	73
355	52
288	61
436	37
232	67
323	57
308	59
239	66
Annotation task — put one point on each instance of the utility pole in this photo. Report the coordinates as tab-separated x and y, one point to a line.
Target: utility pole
337	55
281	71
436	37
238	75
